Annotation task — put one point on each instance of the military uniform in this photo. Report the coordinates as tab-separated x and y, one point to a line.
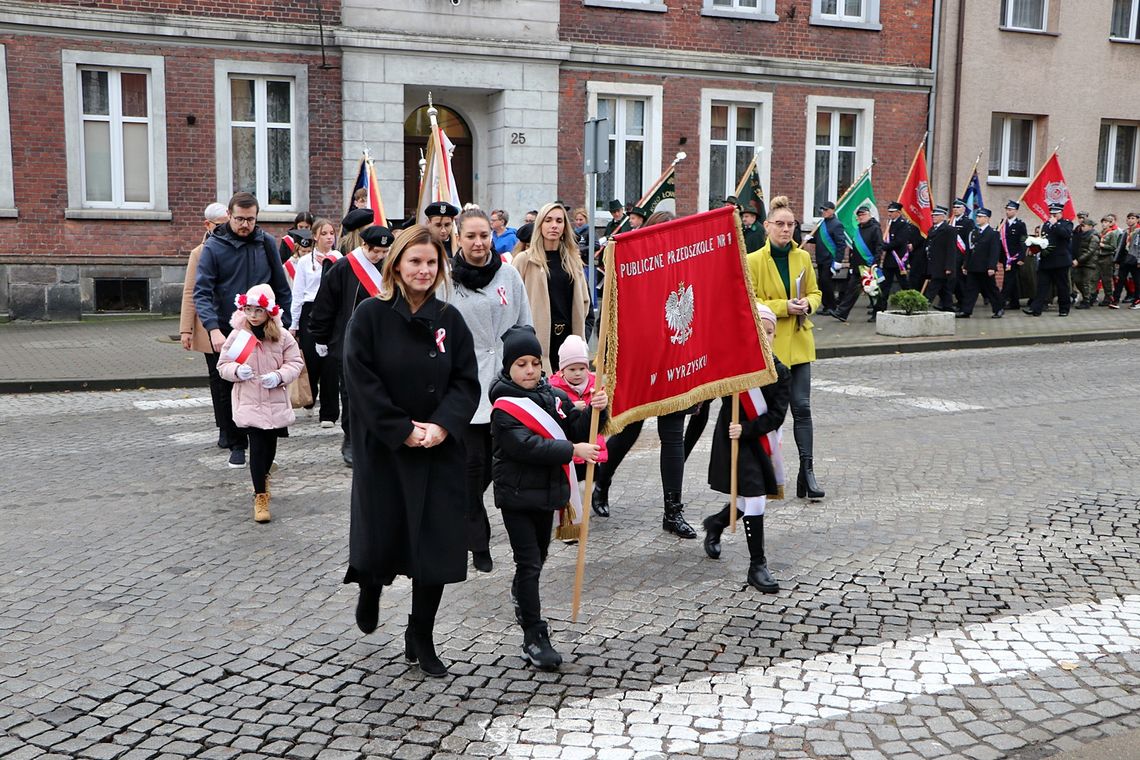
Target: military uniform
1106	261
1054	265
942	254
1084	265
1011	236
963	226
898	243
754	237
981	264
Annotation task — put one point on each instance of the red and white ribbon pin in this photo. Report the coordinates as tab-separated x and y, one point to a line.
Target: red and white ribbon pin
503	295
440	334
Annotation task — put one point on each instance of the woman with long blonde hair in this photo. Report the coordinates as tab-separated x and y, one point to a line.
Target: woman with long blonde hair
413	385
551	270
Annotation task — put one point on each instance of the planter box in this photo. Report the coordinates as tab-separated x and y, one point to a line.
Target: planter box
899	325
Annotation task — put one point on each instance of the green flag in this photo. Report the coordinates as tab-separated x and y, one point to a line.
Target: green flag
858	195
750	194
664	188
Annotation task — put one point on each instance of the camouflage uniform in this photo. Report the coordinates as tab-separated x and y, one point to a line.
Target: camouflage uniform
1084	267
1106	261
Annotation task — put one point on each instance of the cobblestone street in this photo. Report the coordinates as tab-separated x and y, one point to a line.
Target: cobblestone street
968	589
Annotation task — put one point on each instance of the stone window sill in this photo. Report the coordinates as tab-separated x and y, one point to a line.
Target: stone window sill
867	26
1007	182
738	14
1019	30
9	213
1104	186
118	214
627	5
1124	40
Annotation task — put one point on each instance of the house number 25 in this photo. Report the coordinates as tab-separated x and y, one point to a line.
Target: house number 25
518	138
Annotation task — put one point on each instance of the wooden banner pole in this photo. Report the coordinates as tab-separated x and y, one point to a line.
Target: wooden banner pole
735	448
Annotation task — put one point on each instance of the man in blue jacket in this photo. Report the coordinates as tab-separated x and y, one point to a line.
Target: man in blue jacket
237	256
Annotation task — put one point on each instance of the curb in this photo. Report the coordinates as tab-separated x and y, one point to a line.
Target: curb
830	352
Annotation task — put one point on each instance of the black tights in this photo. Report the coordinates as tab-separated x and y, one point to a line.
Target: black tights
671	431
262	450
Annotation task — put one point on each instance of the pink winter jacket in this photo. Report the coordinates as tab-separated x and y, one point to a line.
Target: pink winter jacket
254	406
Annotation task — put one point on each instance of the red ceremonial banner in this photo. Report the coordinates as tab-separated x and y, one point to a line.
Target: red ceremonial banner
915	194
1047	187
683	326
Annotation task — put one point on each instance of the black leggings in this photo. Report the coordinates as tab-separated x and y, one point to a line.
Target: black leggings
324	380
529	532
478	443
696	426
801	408
671	431
262	450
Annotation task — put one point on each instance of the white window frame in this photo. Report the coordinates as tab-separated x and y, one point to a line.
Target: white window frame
1007	122
77	205
653	95
765	10
1006	18
224	70
763	125
1133	26
653	6
1107	183
864	141
868	20
7	185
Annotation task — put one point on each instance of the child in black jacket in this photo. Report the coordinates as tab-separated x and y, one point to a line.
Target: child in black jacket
535	432
759	466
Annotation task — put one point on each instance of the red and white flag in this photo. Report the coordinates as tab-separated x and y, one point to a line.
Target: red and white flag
365	271
438	182
915	193
682	323
1049	187
754	405
538	421
244	342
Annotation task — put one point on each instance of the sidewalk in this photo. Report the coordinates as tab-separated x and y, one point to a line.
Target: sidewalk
132	353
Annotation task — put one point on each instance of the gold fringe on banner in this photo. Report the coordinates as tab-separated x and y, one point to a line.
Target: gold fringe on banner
723	387
567	529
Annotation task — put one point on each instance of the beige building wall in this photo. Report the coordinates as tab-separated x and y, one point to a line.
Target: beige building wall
1069	78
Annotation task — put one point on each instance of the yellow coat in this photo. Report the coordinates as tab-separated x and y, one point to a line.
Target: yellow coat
791	346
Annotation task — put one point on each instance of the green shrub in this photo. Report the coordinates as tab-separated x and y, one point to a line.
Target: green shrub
908	302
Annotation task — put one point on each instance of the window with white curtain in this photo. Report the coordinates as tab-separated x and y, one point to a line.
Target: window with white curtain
1030	15
1125	20
626	179
858	14
734	135
1116	159
7	186
1011	148
836	152
761	9
261	139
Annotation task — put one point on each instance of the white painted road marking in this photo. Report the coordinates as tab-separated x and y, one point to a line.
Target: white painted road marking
919	402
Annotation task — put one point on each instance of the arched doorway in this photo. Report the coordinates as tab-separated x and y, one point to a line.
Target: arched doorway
417	129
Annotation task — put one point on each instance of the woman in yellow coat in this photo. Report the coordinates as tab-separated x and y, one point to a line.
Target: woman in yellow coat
783	277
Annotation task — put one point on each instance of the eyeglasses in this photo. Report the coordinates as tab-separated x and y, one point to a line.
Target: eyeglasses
254	310
244	219
783	225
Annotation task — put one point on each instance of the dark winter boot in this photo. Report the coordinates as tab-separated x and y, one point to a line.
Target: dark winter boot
673	520
423	647
600	498
367	608
410	644
537	649
758	576
714	526
806	485
346	452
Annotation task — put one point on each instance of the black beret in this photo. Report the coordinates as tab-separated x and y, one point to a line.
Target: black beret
377	236
441	208
357	218
524	233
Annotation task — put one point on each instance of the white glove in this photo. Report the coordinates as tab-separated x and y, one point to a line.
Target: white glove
322	350
270	380
836	266
244	372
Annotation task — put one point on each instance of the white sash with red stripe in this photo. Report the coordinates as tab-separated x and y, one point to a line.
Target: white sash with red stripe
538	421
242	347
753	403
291	269
365	271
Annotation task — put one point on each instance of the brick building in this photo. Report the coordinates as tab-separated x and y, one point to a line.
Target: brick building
121	119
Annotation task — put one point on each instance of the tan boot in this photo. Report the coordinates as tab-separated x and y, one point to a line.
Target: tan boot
261	507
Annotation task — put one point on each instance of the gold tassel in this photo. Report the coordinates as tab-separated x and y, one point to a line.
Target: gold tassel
566	530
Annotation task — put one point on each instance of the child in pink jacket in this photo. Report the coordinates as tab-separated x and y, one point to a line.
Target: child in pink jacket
260	358
576	380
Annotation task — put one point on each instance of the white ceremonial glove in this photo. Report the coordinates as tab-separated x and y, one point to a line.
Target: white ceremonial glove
322	350
270	380
244	372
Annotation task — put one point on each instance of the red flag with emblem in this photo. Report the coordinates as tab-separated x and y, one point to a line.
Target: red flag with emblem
1049	187
915	193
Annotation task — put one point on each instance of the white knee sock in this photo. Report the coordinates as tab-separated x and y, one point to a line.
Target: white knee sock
751	506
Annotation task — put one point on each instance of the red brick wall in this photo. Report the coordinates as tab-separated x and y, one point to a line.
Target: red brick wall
903	41
900	123
35	87
297	11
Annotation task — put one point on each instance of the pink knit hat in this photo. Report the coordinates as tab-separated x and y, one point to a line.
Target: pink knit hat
260	295
573	351
766	313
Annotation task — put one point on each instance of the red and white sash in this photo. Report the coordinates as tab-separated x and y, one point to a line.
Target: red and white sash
291	268
365	271
242	347
753	403
538	421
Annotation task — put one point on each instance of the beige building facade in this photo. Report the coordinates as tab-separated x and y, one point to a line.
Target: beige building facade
1016	78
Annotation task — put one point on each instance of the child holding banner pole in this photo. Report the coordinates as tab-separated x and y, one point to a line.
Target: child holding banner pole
260	358
746	463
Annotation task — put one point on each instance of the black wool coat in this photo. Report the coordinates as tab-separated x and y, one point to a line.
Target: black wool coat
526	467
408	503
755	475
339	295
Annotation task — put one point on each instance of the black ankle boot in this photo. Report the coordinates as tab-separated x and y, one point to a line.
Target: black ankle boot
714	526
806	485
600	498
367	608
423	647
673	520
410	644
758	576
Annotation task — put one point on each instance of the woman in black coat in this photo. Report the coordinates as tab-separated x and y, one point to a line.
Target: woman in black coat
413	385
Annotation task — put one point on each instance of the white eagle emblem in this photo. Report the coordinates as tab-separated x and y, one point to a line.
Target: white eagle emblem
679	313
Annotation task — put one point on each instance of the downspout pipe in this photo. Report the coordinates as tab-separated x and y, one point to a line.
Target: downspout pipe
957	98
934	49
